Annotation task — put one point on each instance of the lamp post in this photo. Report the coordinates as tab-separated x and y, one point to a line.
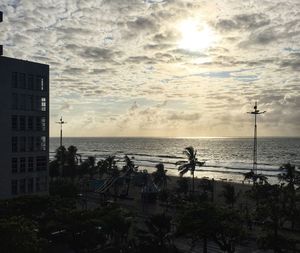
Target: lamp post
255	113
61	122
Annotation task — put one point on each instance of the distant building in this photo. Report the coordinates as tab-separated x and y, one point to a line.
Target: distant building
24	127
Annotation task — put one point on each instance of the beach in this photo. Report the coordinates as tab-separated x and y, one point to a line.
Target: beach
225	158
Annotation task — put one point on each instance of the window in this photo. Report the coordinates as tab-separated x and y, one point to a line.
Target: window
22	83
30	123
43	143
22	164
14	122
22	105
40	83
30	143
15	101
30	185
30	82
37	103
43	123
22	185
30	164
22	123
38	124
14	187
37	184
14	144
22	144
41	163
38	143
31	103
14	165
14	80
43	104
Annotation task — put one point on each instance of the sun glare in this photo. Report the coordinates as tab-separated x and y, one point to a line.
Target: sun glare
195	36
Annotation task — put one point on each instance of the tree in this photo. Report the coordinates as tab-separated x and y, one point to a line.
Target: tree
157	236
65	162
140	178
190	164
207	186
290	177
63	189
197	222
255	178
229	230
53	169
102	168
19	235
230	195
182	185
160	177
73	159
129	168
110	166
89	166
56	166
271	213
206	221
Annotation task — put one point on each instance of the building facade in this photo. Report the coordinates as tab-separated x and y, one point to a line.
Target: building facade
24	127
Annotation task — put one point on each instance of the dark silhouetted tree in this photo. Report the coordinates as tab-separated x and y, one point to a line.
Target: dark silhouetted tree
160	177
189	165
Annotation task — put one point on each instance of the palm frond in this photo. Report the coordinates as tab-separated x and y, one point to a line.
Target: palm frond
200	163
180	162
183	171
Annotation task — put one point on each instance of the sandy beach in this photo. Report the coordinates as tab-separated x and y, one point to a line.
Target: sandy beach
134	201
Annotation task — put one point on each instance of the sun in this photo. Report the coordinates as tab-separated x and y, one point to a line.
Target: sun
195	36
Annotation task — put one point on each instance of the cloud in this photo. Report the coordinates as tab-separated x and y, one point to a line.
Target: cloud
119	64
243	21
141	24
65	107
98	54
184	116
293	62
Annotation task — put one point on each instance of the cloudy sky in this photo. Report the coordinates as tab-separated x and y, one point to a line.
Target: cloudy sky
163	68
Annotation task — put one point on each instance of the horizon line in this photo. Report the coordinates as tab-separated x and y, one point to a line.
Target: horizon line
180	137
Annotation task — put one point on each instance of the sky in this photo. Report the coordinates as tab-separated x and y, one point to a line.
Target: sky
173	68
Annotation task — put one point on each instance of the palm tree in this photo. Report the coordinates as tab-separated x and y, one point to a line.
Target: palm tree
291	177
190	164
249	176
160	177
89	166
157	237
129	168
197	222
110	165
255	178
73	159
61	158
102	168
92	166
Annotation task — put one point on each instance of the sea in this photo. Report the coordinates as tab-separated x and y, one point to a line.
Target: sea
226	159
